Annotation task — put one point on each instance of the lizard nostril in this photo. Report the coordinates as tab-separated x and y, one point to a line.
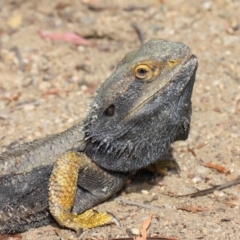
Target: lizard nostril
110	111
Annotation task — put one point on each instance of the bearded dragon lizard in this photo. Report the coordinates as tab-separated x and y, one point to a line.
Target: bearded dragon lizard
143	107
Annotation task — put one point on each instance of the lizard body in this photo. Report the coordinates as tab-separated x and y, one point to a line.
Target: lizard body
24	177
142	108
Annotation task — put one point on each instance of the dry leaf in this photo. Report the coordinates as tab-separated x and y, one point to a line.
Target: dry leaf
12	98
145	226
66	37
219	168
231	203
15	20
53	91
192	209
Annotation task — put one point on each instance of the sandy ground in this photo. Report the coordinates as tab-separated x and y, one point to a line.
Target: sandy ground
45	88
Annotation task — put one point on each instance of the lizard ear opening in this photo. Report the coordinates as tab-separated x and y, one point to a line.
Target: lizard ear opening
109	112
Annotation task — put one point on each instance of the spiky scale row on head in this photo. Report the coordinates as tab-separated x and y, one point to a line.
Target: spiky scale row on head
149	97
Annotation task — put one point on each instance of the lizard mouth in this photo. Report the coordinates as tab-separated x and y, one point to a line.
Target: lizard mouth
191	59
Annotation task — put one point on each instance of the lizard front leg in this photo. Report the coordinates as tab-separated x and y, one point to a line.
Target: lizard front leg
95	186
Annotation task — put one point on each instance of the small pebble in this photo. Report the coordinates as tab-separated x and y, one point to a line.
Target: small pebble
204	231
146	192
196	180
184	169
191	175
218	194
201	170
207	5
28	107
135	231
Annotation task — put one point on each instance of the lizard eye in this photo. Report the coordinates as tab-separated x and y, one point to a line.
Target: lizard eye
109	112
143	72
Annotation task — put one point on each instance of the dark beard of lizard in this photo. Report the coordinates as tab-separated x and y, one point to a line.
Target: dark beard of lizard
113	146
120	143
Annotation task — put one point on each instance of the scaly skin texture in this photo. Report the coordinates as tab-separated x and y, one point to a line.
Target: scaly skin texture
62	191
24	177
142	108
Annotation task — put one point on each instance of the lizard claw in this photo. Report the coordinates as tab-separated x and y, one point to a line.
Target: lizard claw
114	219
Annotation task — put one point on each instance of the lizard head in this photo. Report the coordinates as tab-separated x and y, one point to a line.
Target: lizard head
143	107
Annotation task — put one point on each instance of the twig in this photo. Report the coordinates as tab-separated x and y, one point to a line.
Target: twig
212	189
130	8
139	32
98	8
142	205
17	52
148	238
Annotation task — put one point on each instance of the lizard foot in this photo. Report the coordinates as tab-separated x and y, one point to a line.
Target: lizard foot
162	167
85	220
62	191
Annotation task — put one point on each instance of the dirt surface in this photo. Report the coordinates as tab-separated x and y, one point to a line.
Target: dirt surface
45	87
